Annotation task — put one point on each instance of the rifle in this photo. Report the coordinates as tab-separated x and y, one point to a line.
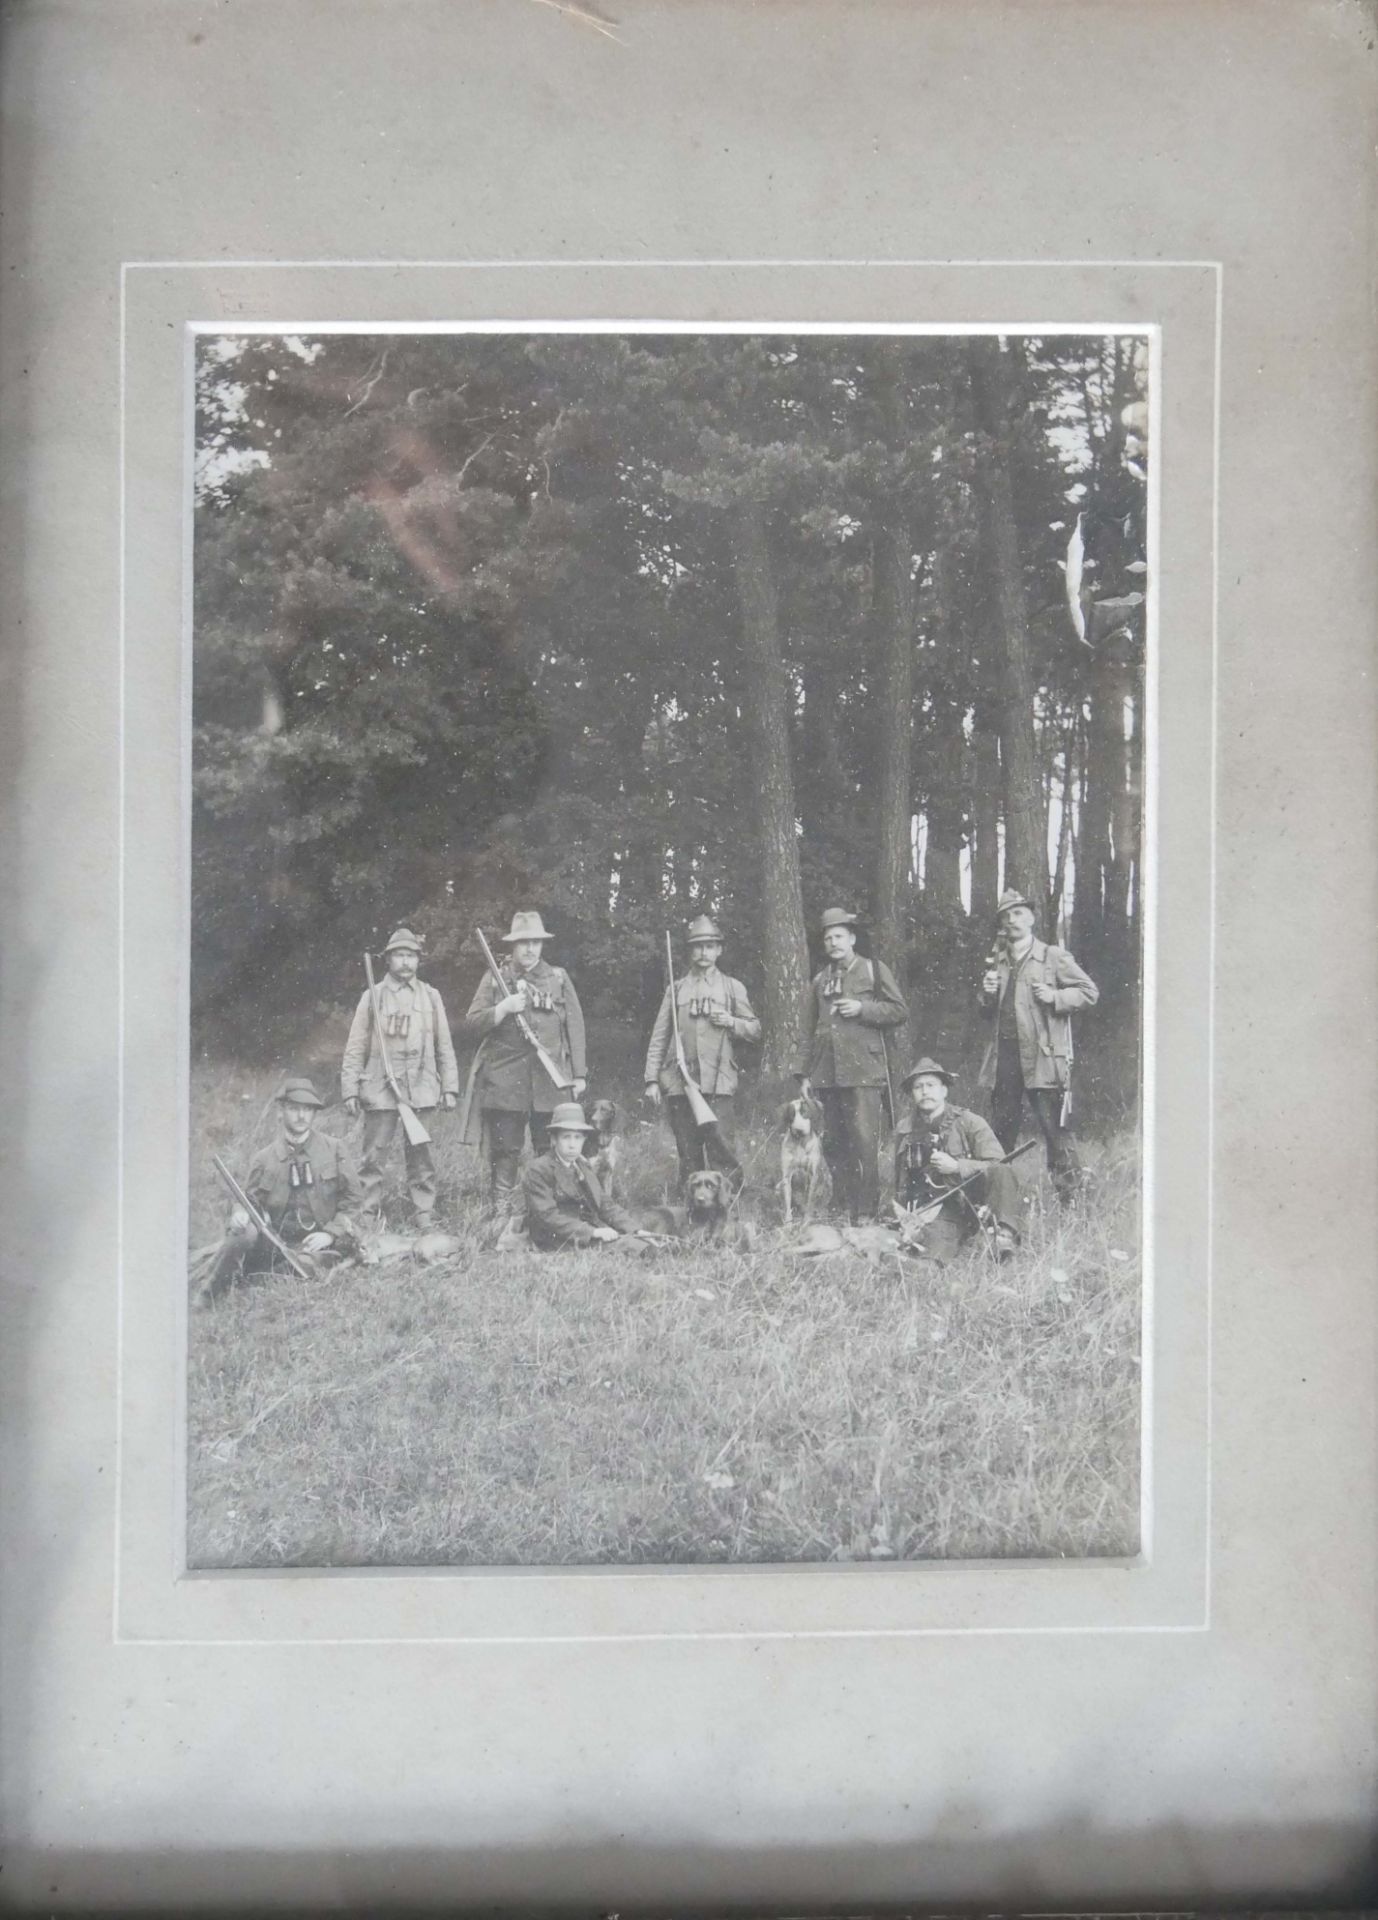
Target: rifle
411	1124
274	1239
704	1115
999	950
523	1025
934	1206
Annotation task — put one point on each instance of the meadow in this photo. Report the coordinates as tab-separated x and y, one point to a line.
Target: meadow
703	1406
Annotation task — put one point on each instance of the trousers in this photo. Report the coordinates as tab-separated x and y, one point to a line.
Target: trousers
245	1251
998	1189
380	1127
1007	1114
851	1147
708	1151
506	1132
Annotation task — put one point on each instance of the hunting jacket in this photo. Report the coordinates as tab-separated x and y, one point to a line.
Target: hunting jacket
333	1186
420	1049
564	1204
1045	1033
708	1050
506	1075
966	1136
834	1052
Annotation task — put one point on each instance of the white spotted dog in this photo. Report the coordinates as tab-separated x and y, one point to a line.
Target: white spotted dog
603	1149
801	1156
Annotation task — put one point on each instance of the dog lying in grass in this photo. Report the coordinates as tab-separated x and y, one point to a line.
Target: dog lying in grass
708	1215
801	1157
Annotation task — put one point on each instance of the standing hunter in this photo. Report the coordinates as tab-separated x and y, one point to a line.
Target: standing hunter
842	1059
420	1066
1031	989
714	1013
508	1084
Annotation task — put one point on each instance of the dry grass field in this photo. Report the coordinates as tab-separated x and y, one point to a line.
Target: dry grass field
529	1409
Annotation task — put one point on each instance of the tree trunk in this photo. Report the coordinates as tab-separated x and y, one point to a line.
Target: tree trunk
1026	826
784	948
826	801
891	883
1064	830
1134	851
1098	886
985	859
1121	825
894	698
942	885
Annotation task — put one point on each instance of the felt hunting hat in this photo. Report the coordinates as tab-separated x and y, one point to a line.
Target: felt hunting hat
569	1118
926	1065
525	926
300	1092
704	928
837	917
1010	898
404	937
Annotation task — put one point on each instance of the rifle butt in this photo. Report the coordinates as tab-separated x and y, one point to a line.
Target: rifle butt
416	1133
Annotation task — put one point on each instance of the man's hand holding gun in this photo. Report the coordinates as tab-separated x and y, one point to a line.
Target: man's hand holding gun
516	1002
990	979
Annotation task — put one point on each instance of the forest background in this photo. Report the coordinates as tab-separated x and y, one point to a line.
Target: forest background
626	627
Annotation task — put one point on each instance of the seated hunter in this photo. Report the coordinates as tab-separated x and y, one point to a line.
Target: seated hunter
940	1148
565	1202
300	1185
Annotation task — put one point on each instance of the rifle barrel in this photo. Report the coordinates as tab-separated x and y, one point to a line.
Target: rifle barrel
523	1025
259	1220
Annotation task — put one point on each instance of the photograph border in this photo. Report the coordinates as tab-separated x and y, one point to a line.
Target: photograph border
1166	1587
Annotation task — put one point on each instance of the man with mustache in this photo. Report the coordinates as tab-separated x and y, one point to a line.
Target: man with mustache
842	1060
301	1185
939	1146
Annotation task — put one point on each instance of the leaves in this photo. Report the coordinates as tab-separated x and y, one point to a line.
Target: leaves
467	630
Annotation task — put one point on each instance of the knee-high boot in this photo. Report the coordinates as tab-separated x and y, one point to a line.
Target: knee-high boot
506	1187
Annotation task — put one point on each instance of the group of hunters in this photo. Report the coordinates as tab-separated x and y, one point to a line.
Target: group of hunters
302	1195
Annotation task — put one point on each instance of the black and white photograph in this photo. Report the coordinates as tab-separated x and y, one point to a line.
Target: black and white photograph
670	861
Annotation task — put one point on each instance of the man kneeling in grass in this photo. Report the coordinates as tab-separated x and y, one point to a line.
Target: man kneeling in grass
565	1202
300	1185
939	1147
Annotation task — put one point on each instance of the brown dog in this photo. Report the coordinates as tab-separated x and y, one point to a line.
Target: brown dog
801	1157
602	1147
710	1214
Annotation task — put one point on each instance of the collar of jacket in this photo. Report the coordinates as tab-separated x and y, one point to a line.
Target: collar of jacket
908	1121
309	1146
391	984
1038	950
543	970
713	974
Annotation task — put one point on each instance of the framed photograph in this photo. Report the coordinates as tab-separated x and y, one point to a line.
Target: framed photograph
686	840
672	637
661	1372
